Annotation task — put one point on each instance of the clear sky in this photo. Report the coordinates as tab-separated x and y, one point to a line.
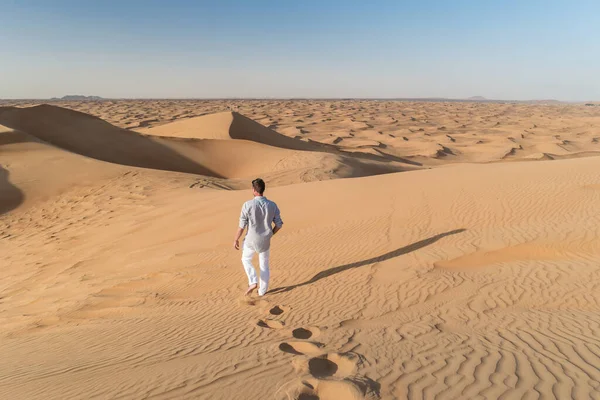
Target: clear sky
526	49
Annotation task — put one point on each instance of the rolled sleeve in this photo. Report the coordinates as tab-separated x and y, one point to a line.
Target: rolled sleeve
244	217
277	218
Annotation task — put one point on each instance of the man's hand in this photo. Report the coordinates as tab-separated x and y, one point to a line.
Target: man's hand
236	240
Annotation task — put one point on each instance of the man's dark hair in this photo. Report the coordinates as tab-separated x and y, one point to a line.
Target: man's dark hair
259	185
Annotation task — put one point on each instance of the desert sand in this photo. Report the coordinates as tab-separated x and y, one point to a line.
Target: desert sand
429	250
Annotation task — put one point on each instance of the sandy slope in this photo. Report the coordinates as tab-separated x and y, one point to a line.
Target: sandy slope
469	281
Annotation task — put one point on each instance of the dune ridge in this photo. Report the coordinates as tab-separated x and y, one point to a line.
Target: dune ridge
225	126
251	150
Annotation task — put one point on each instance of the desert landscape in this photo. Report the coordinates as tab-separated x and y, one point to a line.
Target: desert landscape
430	250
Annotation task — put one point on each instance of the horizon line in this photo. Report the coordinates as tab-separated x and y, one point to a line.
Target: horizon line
452	99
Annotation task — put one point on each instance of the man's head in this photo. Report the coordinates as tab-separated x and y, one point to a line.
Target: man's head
258	187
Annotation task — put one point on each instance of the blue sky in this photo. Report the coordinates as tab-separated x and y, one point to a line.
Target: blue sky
526	49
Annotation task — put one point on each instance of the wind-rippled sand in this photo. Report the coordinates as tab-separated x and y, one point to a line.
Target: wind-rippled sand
435	272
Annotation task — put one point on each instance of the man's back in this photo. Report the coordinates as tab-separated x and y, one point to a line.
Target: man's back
258	215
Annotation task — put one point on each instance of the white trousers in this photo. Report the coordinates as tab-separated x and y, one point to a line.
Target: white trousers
263	260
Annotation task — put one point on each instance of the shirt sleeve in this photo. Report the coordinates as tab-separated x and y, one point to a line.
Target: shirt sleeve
277	218
244	217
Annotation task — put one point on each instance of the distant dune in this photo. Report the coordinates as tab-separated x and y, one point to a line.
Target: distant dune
72	97
426	134
477	98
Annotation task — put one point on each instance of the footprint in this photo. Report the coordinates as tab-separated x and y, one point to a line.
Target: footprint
302	348
337	365
347	363
306	333
339	390
249	301
307	396
327	376
322	367
270	323
345	389
278	310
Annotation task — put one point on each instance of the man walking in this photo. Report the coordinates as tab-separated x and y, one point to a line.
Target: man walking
258	215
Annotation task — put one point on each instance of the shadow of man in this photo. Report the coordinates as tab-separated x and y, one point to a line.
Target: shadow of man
395	253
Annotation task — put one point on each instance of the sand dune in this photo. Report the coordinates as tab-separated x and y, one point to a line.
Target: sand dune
265	152
226	126
234	126
473	132
456	282
93	137
36	171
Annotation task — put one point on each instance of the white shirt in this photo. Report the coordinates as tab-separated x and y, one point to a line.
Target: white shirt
258	215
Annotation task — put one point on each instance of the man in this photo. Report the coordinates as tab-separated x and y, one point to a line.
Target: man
258	215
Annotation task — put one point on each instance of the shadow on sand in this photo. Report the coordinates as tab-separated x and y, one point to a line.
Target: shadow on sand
395	253
93	137
10	196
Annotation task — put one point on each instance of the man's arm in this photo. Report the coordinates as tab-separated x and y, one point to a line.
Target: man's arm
242	225
277	221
